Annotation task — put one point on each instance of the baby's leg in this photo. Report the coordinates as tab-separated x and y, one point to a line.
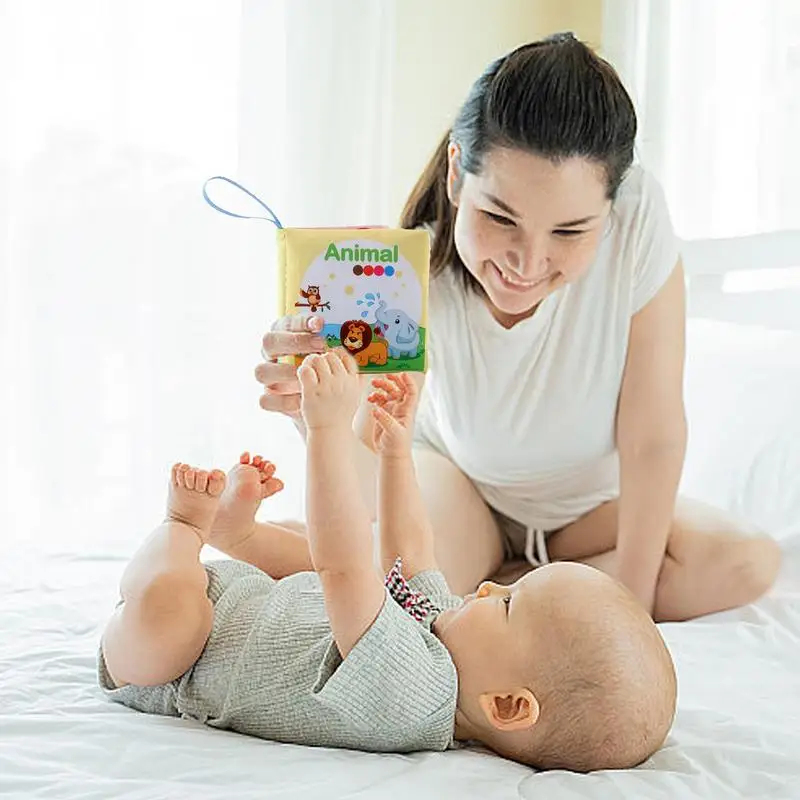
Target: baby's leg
165	618
277	549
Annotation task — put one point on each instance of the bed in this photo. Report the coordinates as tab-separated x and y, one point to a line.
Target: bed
737	732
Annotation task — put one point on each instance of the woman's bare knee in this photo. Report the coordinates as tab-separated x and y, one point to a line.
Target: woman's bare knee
703	574
754	565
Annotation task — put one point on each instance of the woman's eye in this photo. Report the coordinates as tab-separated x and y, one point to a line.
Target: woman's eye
499	219
567	234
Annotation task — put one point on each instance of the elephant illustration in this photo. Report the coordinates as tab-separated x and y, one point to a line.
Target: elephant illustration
399	330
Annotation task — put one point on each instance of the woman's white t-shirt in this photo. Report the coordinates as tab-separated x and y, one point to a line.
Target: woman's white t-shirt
528	413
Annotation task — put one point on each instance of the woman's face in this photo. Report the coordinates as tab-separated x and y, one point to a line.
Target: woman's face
526	226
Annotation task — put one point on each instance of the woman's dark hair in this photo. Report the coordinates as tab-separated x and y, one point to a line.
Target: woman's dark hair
554	98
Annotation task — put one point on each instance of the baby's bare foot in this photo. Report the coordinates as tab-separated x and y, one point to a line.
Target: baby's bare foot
249	482
194	496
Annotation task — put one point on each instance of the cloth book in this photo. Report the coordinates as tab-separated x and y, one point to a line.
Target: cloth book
368	285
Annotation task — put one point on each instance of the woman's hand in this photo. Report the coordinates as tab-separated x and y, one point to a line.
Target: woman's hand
298	335
293	335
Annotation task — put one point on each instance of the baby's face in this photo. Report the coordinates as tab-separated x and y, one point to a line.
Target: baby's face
500	631
494	629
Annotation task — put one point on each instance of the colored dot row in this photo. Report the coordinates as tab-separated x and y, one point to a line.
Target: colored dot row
378	270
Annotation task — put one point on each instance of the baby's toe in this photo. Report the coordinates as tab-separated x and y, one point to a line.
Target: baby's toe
270	487
216	482
201	481
189	477
181	475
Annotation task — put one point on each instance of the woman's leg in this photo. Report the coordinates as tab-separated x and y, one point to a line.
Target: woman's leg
468	544
713	562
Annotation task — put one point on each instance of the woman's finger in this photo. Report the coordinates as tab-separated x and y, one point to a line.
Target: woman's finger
271	372
282	403
297	323
287	343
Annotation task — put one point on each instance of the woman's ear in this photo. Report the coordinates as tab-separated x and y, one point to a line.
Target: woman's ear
510	711
454	174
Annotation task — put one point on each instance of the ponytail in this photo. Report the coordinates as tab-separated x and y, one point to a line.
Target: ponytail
429	205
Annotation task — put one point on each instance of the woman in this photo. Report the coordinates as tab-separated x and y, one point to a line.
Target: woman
552	424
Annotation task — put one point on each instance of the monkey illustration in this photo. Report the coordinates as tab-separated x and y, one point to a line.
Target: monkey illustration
357	338
311	293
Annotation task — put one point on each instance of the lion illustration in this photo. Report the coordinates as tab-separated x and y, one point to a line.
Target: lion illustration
356	336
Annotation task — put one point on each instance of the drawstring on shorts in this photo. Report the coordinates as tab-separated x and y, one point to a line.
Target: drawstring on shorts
535	541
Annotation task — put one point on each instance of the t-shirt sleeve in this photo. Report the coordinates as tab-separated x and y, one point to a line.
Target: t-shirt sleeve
655	245
397	684
434	586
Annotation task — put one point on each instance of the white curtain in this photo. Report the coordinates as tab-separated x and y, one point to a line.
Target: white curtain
131	313
717	88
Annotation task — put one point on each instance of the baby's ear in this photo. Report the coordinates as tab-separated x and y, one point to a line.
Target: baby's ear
510	711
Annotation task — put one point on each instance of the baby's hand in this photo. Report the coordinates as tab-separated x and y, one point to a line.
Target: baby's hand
330	390
394	406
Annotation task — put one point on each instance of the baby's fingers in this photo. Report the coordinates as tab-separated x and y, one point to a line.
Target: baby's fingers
409	384
307	375
385	419
378	397
388	385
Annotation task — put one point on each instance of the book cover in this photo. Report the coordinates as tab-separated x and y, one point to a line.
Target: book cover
369	285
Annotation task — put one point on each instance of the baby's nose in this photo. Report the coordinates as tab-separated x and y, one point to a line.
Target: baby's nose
487	588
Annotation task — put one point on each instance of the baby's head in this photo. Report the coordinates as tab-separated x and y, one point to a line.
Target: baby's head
564	669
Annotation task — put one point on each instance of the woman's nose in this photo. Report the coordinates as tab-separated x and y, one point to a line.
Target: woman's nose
529	264
513	261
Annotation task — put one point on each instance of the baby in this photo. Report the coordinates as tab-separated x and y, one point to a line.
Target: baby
562	669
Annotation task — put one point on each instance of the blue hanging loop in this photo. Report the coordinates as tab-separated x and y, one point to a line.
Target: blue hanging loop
271	218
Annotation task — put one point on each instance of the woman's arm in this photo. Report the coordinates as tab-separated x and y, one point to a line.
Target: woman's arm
651	436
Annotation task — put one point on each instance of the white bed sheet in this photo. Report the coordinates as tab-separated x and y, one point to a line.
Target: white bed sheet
737	732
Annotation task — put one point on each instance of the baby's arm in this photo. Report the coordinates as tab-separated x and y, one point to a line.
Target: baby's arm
405	529
277	548
339	529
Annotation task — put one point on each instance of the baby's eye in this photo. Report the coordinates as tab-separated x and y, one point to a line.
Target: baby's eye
507	601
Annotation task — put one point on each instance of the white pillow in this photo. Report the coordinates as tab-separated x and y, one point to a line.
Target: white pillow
743	406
